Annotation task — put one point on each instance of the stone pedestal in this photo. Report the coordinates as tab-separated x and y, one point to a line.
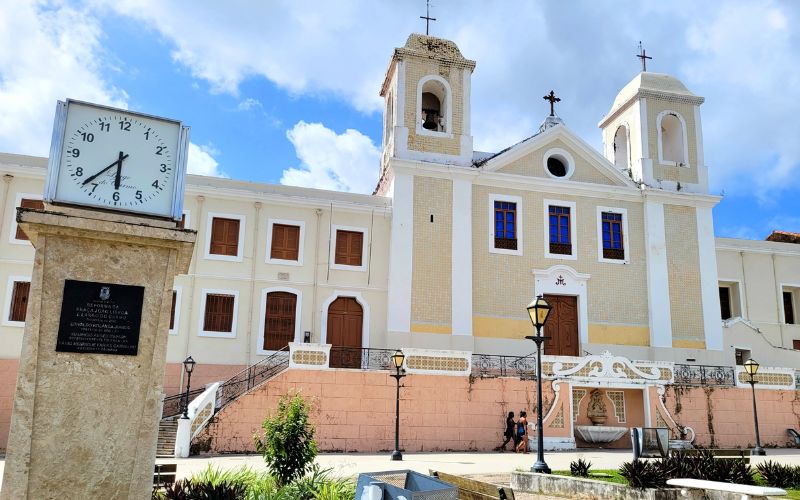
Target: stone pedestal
85	425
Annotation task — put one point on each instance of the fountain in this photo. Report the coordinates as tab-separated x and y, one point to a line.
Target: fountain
597	433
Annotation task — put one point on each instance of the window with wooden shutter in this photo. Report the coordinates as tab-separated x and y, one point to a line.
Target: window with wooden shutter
224	236
27	203
285	242
279	320
19	301
219	313
172	312
505	225
613	245
560	237
182	223
348	247
796	344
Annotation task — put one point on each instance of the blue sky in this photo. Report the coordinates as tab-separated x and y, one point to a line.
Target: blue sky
286	91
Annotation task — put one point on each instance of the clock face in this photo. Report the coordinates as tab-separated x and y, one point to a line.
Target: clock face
119	160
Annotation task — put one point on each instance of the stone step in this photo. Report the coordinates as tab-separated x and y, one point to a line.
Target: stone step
165	446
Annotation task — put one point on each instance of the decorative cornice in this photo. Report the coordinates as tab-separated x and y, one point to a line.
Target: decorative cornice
650	94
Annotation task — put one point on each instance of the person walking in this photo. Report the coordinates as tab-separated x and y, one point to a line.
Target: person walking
522	432
509	433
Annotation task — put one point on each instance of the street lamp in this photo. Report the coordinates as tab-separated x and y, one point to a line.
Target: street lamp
188	366
751	367
397	358
539	310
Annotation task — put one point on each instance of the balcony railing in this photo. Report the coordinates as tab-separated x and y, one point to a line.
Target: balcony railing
492	366
365	358
703	375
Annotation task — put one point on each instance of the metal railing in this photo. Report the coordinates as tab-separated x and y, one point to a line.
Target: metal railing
703	375
173	404
797	379
364	358
492	366
252	376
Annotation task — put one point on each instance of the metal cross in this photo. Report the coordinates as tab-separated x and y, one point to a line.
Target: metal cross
427	17
643	56
553	99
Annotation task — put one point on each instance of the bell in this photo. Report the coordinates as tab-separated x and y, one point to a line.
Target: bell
431	119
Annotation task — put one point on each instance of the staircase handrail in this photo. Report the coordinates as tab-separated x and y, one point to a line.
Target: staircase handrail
198	413
252	376
172	404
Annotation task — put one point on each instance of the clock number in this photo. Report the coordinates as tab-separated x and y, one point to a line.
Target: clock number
139	195
87	136
115	196
125	125
164	167
74	152
159	149
155	184
147	134
79	171
105	127
95	186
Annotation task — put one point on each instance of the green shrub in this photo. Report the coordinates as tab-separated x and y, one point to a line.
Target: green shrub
288	444
778	475
703	465
580	468
641	474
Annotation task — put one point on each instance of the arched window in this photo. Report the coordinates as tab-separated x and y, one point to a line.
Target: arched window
621	150
433	110
388	124
671	139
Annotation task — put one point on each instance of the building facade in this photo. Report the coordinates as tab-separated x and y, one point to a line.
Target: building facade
455	243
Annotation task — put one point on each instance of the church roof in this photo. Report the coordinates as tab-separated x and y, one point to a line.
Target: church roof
648	84
784	237
433	48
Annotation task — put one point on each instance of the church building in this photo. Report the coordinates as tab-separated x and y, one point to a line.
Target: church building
455	243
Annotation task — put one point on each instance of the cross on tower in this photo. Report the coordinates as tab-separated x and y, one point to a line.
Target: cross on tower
427	17
643	56
553	99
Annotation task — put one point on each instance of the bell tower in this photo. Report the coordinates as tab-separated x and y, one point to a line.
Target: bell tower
653	132
426	96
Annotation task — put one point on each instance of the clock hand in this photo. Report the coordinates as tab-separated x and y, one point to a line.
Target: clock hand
117	179
95	176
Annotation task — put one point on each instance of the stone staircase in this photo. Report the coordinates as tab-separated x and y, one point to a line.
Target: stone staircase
167	430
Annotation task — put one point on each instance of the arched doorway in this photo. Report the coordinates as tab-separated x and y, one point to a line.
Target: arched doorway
345	326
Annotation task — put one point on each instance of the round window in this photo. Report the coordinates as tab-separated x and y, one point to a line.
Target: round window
556	167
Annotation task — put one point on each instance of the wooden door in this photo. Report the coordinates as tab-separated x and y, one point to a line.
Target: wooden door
345	323
279	319
562	326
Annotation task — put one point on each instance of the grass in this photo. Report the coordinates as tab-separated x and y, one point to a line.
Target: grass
613	476
609	475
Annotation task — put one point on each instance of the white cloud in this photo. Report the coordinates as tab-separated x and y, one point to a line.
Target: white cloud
343	162
201	161
248	104
47	53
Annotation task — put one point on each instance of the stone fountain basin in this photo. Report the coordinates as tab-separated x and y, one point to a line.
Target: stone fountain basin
600	433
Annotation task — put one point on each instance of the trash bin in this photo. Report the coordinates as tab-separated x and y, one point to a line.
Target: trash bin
403	484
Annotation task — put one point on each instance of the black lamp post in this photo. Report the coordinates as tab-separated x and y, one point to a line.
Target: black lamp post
539	310
188	366
751	367
397	358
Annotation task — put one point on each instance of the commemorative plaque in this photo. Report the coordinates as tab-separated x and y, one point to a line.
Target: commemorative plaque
100	318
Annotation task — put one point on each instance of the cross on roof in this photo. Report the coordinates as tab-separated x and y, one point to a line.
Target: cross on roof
427	17
643	56
553	99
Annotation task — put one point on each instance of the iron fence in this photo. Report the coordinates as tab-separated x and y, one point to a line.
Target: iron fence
172	404
703	375
252	376
797	379
364	358
492	366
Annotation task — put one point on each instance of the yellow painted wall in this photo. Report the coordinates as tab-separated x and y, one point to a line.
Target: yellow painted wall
600	333
506	328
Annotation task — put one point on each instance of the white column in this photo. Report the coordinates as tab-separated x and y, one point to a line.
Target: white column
400	255
657	276
183	438
709	283
461	307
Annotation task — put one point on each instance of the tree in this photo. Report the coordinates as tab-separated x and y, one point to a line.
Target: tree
288	444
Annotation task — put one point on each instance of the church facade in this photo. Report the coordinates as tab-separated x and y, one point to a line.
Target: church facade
455	243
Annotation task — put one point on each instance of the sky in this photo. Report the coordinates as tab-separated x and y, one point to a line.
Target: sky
287	91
